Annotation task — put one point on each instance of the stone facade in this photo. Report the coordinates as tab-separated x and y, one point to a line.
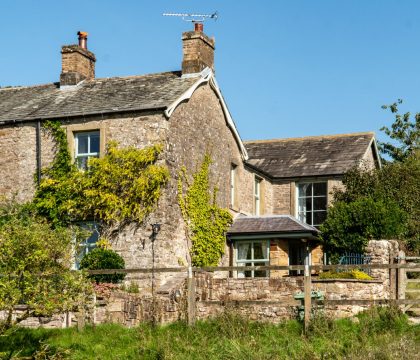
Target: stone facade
197	126
18	161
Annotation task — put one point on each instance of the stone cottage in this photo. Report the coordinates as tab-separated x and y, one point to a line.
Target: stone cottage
277	190
182	110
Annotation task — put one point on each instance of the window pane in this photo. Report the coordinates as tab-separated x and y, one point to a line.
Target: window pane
308	217
260	273
241	274
260	250
257	187
94	143
308	204
248	273
81	162
302	216
302	189
320	203
82	143
301	205
319	217
320	189
244	251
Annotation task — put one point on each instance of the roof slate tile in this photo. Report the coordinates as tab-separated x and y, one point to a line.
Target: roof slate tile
119	94
308	156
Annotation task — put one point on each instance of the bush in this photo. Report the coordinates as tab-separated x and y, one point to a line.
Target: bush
100	258
349	226
354	274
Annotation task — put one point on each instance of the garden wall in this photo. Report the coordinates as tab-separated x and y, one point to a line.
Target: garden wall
264	299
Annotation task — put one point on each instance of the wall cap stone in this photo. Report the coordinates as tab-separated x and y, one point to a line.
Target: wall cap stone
347	280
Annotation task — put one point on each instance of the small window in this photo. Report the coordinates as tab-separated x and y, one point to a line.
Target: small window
252	253
88	244
233	180
312	203
257	196
86	146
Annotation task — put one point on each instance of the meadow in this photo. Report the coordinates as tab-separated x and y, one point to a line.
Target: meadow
379	333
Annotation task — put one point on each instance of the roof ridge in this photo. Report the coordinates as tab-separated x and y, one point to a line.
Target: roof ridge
19	87
138	76
309	137
261	216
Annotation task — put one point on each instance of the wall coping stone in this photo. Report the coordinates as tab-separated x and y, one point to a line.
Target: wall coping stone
347	280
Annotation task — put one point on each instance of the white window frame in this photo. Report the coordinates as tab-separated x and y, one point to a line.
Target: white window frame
85	246
254	262
298	215
257	195
88	154
233	180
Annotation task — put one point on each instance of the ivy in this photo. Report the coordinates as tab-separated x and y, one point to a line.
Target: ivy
206	221
123	186
62	164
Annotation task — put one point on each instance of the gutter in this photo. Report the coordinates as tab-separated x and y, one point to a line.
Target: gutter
14	121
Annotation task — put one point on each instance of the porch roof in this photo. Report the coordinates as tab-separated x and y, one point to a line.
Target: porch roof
270	226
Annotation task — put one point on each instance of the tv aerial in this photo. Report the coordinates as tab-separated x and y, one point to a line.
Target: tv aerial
194	18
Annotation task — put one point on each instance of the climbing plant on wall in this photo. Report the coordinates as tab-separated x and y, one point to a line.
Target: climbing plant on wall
206	221
122	186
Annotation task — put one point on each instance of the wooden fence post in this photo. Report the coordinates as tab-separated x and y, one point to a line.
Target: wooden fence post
191	296
308	291
81	318
401	275
392	273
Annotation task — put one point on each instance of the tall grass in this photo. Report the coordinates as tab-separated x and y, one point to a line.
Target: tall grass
380	333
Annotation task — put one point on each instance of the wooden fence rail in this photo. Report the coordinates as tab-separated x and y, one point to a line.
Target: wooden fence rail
412	267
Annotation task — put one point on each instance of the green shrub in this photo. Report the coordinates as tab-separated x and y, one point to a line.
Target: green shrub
100	258
131	288
349	226
354	274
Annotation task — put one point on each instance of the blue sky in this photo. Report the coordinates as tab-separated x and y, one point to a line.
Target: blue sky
286	68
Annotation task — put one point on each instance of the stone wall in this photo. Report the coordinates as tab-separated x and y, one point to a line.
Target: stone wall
133	309
345	289
382	252
17	161
283	196
224	293
216	294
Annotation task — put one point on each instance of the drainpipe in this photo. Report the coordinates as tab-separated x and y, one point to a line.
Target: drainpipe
38	151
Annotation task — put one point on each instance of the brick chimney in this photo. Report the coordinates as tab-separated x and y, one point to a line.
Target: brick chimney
78	63
198	50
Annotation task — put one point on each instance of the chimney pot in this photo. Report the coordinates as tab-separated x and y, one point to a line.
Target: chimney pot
83	39
199	27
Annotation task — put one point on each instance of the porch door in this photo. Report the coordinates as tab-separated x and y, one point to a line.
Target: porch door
296	256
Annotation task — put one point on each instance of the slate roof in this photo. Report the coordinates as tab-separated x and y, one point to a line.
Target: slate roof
106	95
275	224
308	156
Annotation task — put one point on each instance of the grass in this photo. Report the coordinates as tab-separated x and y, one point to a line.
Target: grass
379	333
